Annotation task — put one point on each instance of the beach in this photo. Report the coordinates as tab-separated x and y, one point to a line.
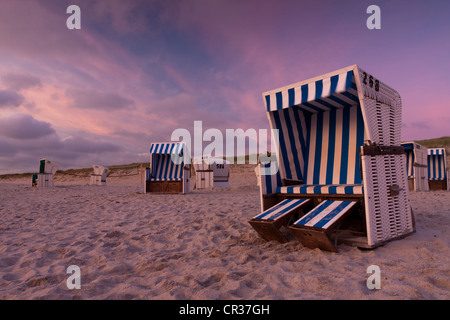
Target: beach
197	246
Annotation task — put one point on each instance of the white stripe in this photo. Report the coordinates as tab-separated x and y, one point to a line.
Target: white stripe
341	82
321	215
312	146
338	147
281	208
311	91
326	87
298	95
343	211
285	98
352	146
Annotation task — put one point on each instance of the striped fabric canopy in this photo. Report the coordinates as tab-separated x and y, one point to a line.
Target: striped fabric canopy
336	91
320	148
436	151
166	163
409	152
436	164
167	148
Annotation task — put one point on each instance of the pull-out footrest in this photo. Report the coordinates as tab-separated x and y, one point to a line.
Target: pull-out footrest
268	223
314	229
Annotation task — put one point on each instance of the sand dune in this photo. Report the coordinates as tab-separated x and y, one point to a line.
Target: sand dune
131	245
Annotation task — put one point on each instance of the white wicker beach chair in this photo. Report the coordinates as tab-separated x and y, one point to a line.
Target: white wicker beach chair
44	178
211	172
438	179
99	176
416	166
168	172
339	140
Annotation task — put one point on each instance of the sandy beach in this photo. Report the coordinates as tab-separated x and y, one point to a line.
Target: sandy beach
131	245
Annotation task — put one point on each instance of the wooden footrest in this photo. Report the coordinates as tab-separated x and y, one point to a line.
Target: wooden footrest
269	222
315	228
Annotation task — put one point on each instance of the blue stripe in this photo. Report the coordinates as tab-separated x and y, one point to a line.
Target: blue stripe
331	147
316	211
332	214
334	82
327	105
268	102
349	80
309	105
268	181
293	150
279	98
283	148
304	89
340	101
350	96
359	144
291	94
319	89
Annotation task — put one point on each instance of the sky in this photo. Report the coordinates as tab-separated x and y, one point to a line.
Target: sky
138	70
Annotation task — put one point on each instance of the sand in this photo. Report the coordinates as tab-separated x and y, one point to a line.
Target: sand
130	245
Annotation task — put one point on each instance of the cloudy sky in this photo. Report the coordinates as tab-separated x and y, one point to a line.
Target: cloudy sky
137	70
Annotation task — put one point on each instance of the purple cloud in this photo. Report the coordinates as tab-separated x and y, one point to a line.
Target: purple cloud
92	99
24	126
10	99
18	81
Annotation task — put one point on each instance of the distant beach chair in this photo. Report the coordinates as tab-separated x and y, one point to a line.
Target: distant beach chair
211	172
339	142
416	166
99	176
168	173
44	178
204	175
437	171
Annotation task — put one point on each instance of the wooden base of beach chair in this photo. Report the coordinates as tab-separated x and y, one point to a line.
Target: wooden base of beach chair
268	223
164	186
436	185
315	229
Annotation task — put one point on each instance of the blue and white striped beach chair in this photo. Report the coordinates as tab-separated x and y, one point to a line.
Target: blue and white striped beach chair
168	172
339	139
437	171
416	166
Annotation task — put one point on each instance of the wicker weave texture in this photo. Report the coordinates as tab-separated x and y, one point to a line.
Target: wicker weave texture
388	213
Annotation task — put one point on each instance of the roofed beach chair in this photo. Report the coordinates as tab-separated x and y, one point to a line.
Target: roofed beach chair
221	169
99	176
204	175
211	172
416	166
437	171
44	178
339	142
168	171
